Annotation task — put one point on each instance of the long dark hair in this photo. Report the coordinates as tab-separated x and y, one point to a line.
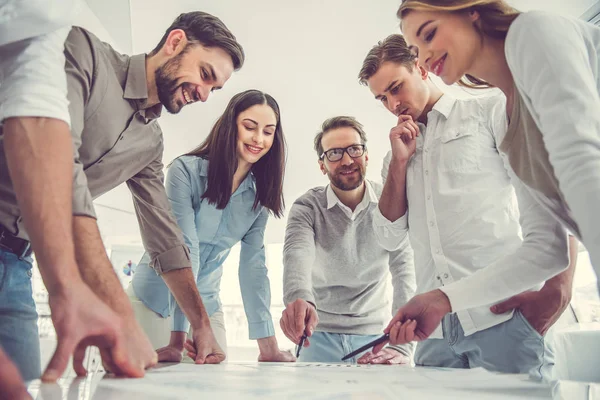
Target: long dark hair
220	149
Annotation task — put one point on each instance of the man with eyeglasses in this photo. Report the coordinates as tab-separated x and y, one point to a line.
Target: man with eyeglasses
335	271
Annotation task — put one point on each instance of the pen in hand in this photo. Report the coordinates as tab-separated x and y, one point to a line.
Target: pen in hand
367	346
302	339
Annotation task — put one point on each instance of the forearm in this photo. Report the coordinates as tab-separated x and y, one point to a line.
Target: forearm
182	284
297	280
95	267
392	203
256	293
564	280
298	260
530	265
39	153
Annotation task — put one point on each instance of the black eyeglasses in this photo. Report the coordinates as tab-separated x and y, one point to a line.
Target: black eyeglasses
354	151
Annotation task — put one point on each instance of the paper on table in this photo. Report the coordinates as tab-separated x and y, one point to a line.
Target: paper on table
247	382
324	381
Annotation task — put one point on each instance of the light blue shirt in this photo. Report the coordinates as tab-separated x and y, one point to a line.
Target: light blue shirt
210	234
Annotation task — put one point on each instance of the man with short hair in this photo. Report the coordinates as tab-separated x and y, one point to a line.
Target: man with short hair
114	101
35	122
449	187
335	271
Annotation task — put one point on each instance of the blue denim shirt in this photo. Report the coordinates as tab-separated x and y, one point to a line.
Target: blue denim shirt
210	234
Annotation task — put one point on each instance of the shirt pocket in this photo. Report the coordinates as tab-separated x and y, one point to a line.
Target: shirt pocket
460	150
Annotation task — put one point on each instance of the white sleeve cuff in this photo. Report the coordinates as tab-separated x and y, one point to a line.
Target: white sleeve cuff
390	234
458	296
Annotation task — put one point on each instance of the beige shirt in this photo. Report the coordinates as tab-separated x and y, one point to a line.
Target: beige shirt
528	157
116	139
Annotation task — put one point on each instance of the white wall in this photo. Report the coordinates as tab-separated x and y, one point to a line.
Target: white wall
307	55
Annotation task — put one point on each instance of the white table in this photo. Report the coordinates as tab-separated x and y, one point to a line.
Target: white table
577	352
297	381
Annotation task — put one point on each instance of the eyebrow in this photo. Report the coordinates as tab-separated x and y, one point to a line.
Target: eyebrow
251	120
387	89
423	26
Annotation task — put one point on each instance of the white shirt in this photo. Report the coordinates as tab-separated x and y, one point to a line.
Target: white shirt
368	197
555	63
23	19
464	219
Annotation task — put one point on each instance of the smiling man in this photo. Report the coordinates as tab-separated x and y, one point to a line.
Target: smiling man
335	271
114	103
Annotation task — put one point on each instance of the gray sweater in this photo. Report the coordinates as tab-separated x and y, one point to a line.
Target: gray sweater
337	264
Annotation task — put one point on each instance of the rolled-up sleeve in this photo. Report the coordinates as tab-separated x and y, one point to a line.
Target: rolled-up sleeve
254	281
180	194
161	235
79	68
391	235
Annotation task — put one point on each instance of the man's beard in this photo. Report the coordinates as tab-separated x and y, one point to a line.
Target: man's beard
166	86
337	180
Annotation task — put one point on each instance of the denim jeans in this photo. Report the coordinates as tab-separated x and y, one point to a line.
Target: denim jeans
512	347
158	328
18	316
327	347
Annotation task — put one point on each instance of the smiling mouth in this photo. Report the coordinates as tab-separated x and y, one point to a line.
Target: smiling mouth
346	173
438	66
187	96
253	149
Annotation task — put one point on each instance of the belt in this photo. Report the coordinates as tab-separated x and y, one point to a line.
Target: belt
20	247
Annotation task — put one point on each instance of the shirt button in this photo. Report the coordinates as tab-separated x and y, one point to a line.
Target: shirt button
429	197
426	172
446	276
438	251
431	223
457	133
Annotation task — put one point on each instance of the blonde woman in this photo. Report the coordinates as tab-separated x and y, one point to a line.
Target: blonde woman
548	67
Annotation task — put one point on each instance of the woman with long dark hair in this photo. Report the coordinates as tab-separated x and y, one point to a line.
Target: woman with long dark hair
222	193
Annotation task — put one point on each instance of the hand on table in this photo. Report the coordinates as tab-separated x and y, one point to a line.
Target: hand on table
387	355
203	347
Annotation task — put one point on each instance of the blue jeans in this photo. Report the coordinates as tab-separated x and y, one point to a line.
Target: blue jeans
512	347
18	316
326	347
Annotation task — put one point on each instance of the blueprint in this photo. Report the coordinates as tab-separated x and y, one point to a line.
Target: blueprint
314	381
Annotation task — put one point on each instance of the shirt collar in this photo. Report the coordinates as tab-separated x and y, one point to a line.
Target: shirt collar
136	88
444	105
368	197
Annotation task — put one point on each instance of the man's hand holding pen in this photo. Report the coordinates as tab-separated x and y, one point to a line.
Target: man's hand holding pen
299	318
417	319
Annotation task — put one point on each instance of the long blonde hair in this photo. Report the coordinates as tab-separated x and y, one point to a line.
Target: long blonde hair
496	16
